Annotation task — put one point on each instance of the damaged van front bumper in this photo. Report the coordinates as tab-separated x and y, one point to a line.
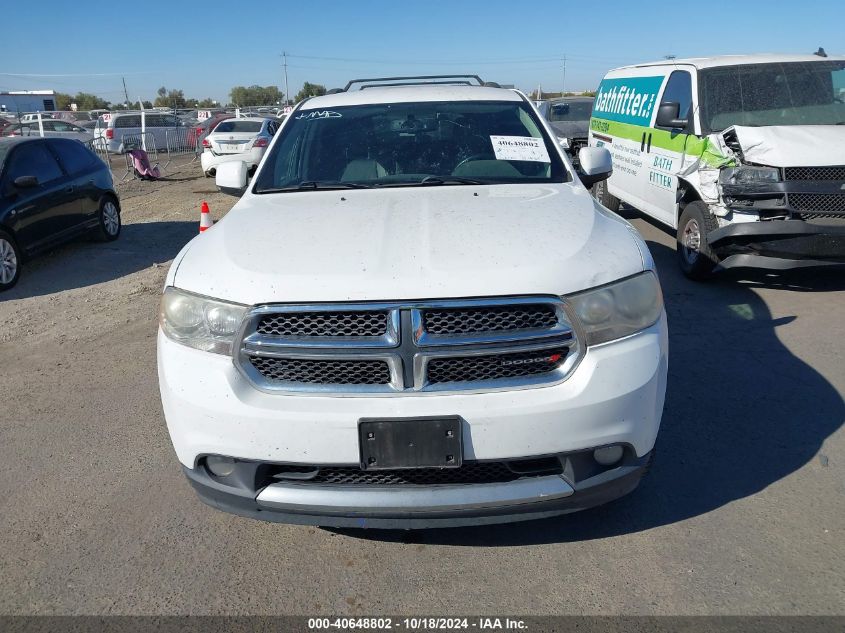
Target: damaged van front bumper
779	245
797	217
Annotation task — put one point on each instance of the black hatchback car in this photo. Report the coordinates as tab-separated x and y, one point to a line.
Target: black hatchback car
51	191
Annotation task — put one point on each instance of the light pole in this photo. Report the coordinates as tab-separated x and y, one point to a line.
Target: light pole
287	93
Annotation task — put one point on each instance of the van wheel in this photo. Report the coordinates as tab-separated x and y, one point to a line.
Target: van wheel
109	220
10	261
695	256
601	194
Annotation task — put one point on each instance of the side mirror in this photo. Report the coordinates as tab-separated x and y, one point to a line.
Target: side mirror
563	142
26	182
231	177
596	165
668	113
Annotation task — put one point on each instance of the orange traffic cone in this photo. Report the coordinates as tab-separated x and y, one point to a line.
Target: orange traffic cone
205	217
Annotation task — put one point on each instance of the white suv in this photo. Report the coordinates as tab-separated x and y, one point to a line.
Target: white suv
415	316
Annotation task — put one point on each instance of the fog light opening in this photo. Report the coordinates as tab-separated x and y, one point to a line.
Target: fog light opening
608	455
220	466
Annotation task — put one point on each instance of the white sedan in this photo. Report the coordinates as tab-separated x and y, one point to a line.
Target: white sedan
245	139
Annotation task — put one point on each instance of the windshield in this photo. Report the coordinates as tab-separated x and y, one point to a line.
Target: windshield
571	110
239	126
795	93
402	144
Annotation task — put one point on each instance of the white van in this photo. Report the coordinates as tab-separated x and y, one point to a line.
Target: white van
743	155
115	126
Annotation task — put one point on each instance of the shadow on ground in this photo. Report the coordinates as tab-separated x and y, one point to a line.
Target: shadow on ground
736	419
85	263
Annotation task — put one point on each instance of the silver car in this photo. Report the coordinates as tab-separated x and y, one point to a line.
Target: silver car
52	127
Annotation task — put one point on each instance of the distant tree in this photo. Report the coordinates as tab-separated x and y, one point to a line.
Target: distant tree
63	101
206	103
86	101
148	105
162	92
170	99
309	90
255	95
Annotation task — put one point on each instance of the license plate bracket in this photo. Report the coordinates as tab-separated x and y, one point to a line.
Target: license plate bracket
400	443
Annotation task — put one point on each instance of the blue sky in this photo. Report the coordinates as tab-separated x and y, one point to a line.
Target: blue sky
207	47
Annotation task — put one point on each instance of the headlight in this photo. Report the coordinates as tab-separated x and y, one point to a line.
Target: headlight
199	322
747	174
619	309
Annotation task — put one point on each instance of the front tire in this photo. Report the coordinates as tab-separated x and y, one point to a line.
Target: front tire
10	261
109	220
696	258
600	193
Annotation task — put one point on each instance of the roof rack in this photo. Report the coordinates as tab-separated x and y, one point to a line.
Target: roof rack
451	80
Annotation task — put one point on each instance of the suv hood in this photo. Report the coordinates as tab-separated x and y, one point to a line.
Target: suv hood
409	243
572	129
792	145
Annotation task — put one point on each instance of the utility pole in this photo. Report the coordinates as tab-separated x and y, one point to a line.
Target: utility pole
563	87
125	92
287	94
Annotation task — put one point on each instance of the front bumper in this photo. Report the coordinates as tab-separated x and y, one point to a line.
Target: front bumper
779	245
410	507
615	396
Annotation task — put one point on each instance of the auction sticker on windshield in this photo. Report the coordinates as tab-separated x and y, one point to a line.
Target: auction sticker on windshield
520	148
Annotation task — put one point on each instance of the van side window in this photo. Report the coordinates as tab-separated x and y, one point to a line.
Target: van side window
679	89
132	120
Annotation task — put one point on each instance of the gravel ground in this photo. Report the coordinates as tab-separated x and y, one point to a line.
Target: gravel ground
743	513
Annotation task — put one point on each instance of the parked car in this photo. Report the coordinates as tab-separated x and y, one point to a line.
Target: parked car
33	116
415	316
51	191
244	139
51	127
743	156
159	125
570	118
70	115
202	128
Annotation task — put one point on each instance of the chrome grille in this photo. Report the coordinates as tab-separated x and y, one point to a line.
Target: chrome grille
488	319
815	205
408	347
815	173
495	367
326	372
357	323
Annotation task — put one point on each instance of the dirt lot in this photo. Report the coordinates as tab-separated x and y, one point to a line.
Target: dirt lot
744	511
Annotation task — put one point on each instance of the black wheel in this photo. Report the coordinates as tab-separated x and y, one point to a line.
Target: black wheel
695	256
10	261
209	174
607	200
109	217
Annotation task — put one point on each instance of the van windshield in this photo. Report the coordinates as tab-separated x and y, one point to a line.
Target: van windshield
407	144
793	93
